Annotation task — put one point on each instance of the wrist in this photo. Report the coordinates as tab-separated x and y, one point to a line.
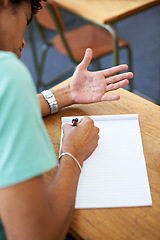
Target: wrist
73	159
51	100
74	153
63	95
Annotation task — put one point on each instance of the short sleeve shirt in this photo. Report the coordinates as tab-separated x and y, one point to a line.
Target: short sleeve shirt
25	148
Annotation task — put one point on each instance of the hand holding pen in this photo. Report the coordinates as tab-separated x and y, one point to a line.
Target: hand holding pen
80	141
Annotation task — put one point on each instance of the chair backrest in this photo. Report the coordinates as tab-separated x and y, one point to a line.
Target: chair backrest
44	18
50	18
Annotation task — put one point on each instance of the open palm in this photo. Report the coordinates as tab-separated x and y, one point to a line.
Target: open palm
88	87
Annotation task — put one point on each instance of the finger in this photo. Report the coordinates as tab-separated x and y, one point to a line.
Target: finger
110	97
87	59
90	122
117	85
119	77
94	142
66	126
86	120
111	71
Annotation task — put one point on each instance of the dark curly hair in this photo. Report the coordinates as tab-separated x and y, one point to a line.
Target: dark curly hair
35	4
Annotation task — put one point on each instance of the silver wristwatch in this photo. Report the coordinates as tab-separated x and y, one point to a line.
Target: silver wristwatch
50	98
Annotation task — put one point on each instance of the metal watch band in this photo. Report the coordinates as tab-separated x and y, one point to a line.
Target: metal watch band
50	98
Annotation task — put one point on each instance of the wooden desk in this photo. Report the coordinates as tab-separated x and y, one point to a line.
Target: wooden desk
106	11
137	223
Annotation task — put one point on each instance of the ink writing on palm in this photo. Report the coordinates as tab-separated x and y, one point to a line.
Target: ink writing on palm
88	87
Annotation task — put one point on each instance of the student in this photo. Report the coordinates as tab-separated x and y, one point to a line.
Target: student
28	209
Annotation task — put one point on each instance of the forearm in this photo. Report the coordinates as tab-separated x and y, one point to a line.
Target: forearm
63	98
62	192
46	212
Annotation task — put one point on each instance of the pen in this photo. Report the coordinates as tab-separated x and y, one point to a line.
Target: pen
74	122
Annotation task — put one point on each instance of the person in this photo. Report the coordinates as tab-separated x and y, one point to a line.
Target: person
28	208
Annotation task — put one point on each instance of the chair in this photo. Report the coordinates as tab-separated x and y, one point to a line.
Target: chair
73	43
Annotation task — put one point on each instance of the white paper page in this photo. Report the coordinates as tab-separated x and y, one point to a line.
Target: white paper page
115	174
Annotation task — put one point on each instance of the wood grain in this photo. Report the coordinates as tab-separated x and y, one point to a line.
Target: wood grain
106	11
119	223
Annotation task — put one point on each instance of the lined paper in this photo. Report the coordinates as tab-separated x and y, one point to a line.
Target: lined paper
115	175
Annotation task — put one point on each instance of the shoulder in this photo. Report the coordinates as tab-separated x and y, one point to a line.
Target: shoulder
16	84
25	147
14	74
11	63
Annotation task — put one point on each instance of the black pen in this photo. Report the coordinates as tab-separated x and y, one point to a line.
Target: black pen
74	122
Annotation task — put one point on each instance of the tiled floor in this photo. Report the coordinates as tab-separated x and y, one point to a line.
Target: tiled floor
141	30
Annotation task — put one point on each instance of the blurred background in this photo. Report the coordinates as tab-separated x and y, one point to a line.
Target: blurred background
141	30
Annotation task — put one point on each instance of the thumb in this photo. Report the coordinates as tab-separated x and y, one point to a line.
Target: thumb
87	59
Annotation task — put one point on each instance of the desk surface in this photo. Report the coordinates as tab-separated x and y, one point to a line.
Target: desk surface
119	223
106	11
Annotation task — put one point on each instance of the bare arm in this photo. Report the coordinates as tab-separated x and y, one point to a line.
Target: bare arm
88	87
62	96
29	210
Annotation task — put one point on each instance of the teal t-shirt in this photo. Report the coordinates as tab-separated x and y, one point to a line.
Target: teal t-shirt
25	148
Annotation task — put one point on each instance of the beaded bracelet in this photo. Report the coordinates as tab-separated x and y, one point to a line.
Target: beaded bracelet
69	154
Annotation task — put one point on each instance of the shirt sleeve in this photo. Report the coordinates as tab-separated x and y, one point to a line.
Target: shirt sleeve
25	148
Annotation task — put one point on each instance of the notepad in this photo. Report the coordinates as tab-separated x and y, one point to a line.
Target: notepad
115	175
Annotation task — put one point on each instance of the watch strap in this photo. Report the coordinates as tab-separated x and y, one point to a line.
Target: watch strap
51	100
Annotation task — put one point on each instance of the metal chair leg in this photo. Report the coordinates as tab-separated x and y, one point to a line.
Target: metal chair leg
41	65
131	83
40	68
58	77
33	47
96	64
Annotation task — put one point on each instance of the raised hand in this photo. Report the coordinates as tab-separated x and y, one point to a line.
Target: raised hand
88	87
